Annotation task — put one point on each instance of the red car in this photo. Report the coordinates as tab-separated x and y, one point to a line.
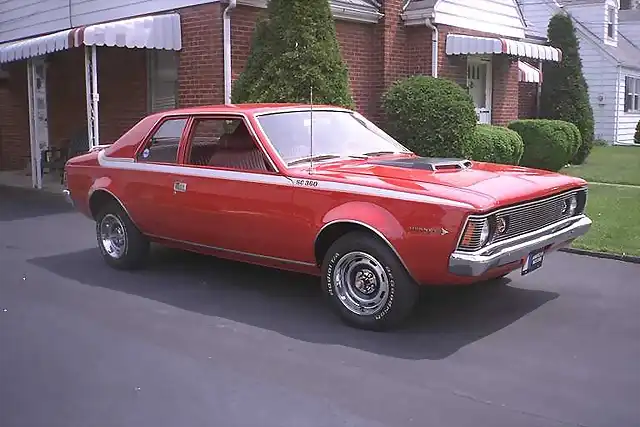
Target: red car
323	191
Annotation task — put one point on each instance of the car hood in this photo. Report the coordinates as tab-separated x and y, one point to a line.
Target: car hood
483	185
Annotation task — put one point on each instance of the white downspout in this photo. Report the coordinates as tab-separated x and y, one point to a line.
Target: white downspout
227	50
435	34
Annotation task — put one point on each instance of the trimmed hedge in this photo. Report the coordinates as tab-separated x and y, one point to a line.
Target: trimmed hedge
495	144
636	137
548	144
433	117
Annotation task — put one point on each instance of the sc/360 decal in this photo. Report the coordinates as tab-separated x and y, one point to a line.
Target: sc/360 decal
306	182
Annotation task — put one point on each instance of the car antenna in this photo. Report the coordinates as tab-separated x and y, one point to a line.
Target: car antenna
311	130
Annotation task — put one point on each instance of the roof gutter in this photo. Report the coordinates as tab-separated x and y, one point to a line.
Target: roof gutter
435	36
227	50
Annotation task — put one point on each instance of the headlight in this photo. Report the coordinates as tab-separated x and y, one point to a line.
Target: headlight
572	204
484	232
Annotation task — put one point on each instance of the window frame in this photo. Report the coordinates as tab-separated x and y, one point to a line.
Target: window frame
153	79
634	93
610	29
148	138
187	137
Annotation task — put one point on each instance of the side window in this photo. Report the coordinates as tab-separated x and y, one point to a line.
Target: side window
163	145
225	143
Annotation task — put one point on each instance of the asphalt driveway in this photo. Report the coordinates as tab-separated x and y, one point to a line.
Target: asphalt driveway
196	341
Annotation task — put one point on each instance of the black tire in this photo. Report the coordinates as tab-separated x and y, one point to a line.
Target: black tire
136	246
368	254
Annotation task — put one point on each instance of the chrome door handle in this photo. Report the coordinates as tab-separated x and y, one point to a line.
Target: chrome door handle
179	187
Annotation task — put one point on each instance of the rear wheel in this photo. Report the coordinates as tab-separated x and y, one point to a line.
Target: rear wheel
121	244
366	284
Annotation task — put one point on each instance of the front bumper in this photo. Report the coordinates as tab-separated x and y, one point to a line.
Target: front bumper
513	250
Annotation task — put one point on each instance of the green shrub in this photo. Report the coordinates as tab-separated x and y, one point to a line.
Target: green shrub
434	117
565	93
293	49
495	144
636	137
548	144
599	142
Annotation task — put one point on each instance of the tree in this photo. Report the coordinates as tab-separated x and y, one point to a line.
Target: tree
565	93
293	49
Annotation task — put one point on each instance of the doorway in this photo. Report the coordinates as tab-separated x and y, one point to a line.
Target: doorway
479	82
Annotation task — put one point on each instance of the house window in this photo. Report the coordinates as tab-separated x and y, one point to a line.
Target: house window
611	17
162	66
632	95
625	4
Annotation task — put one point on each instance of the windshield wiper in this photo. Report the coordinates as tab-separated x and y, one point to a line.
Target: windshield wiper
378	153
313	158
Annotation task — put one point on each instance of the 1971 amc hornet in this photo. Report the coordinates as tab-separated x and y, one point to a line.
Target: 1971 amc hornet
322	191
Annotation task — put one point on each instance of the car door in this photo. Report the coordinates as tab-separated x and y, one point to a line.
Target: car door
234	198
150	191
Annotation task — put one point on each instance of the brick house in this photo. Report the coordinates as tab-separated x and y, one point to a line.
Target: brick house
144	56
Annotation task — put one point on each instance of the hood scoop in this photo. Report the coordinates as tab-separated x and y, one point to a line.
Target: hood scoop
426	163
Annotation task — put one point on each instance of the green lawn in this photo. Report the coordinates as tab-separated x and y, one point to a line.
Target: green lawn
614	209
616	165
615	212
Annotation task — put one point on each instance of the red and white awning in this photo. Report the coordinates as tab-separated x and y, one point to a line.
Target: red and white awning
458	44
150	32
528	73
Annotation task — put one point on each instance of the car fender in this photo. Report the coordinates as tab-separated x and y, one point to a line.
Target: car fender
104	184
373	217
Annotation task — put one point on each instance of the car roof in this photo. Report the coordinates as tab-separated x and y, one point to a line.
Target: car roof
254	108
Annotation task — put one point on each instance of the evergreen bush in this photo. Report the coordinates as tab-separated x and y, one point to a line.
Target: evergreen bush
433	117
636	137
294	49
565	93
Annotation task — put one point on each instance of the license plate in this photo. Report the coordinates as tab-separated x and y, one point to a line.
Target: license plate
533	261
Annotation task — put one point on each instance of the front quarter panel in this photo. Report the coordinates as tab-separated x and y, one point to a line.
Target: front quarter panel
422	235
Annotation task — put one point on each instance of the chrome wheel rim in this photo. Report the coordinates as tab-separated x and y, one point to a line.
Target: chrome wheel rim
113	236
361	283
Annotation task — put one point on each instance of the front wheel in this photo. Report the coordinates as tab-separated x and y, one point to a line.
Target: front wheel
366	283
121	244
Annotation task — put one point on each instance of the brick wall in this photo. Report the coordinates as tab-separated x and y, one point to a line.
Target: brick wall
201	67
14	122
505	90
527	98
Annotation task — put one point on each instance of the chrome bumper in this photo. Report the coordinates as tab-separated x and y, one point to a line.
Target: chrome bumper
502	253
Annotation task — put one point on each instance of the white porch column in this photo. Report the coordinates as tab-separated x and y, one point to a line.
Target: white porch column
36	154
93	96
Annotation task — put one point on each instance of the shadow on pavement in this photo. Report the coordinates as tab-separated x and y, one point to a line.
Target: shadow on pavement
291	304
22	203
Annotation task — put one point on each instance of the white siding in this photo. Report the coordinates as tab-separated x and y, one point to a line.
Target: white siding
537	13
594	18
626	121
490	16
26	18
631	30
23	18
601	74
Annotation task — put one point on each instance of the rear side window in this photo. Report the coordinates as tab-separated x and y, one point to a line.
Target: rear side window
165	142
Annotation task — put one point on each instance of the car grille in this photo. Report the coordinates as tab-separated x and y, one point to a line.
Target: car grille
521	219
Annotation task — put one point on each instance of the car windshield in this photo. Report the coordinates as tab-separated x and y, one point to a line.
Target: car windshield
336	134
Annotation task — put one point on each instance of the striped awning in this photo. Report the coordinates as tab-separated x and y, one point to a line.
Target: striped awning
150	32
528	73
458	44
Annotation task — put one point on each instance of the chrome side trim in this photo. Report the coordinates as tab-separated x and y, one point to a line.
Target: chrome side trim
261	178
370	228
508	251
233	251
67	196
